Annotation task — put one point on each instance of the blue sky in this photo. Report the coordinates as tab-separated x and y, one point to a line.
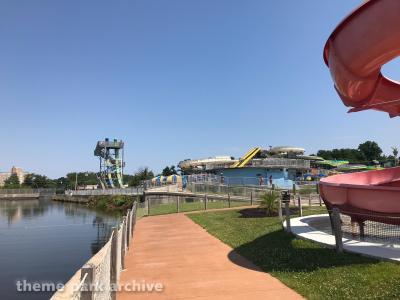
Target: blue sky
174	79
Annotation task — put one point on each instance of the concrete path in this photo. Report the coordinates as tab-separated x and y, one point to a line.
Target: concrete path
317	228
192	264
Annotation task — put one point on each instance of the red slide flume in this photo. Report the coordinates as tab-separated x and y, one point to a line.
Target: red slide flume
355	52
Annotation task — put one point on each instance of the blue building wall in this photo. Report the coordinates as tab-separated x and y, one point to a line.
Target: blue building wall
250	176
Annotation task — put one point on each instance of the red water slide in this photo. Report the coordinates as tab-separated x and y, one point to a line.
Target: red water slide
355	52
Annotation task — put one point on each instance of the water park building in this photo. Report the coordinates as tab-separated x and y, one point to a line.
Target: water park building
280	165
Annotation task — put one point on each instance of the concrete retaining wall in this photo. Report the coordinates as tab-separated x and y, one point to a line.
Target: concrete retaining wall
19	196
68	198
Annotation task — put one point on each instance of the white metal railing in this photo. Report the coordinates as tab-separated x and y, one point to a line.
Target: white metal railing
280	163
27	191
99	192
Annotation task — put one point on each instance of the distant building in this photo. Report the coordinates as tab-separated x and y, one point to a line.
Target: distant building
88	187
14	170
277	165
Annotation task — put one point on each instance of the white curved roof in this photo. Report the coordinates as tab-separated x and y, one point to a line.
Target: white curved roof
287	149
199	162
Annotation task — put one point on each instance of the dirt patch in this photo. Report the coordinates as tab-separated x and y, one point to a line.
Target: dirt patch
255	212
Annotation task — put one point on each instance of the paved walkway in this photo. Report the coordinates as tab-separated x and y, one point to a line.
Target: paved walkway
192	264
317	228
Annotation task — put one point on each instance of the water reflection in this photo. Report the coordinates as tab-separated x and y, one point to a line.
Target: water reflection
17	209
104	230
41	240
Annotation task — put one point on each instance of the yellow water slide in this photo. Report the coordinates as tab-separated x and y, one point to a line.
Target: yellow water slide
246	158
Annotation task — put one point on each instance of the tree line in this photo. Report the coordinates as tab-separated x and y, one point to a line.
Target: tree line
368	152
69	181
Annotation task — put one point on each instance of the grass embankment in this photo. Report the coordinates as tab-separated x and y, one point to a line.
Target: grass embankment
115	203
310	269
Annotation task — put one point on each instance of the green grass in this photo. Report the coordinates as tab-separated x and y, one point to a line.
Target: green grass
169	208
310	269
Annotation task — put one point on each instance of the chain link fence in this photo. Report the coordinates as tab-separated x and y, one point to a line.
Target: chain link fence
369	227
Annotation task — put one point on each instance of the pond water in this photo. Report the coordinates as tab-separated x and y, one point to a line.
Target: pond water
44	241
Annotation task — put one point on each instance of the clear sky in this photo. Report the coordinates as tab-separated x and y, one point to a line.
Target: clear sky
174	79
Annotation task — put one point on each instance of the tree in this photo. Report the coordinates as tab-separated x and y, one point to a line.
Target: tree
365	153
62	183
370	151
41	181
352	155
140	175
167	171
396	155
12	182
28	180
35	181
82	179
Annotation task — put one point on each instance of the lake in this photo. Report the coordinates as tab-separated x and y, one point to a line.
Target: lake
46	241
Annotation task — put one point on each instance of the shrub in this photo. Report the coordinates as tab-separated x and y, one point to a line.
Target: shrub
101	203
269	202
111	203
121	200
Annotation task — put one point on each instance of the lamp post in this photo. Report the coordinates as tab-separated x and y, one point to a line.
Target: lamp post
76	179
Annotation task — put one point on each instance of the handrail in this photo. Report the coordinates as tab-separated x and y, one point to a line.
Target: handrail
113	248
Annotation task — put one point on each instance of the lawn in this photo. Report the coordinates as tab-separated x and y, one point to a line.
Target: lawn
310	269
186	206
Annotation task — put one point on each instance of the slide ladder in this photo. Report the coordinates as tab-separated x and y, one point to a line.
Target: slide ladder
246	158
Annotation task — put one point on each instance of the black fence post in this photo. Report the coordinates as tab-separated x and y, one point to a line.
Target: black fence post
148	203
300	207
287	214
361	225
280	209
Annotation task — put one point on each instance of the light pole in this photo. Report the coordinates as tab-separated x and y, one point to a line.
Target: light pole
76	180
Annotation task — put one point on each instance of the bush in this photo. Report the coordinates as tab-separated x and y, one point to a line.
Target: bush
111	203
269	202
121	200
101	203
